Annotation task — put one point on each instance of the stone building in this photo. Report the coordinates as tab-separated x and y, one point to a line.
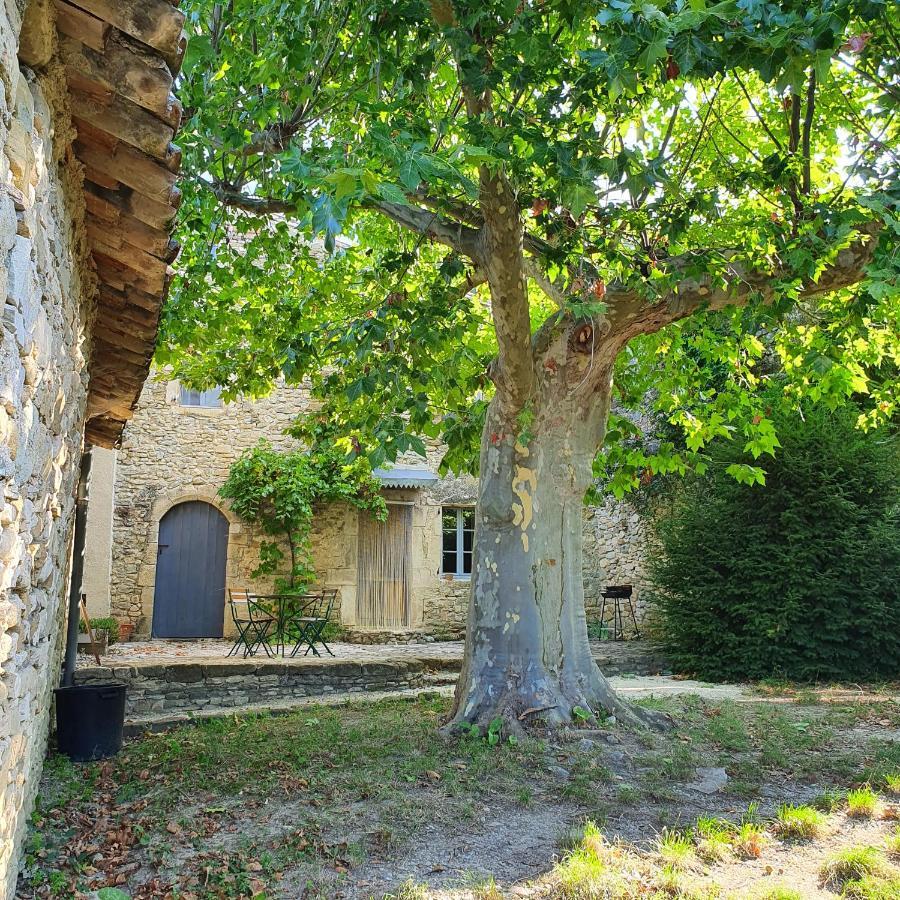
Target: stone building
175	547
87	193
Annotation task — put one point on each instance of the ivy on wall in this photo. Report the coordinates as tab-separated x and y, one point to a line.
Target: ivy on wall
279	492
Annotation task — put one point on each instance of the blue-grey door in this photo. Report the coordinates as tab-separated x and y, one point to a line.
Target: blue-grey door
190	572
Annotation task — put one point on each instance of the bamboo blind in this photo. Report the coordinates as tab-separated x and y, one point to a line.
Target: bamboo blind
382	598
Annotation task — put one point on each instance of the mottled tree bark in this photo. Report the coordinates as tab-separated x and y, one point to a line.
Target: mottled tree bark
527	655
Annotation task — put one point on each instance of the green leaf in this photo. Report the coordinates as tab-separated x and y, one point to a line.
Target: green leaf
392	193
410	176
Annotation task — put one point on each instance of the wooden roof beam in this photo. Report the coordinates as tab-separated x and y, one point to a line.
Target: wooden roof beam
125	68
122	119
153	22
76	23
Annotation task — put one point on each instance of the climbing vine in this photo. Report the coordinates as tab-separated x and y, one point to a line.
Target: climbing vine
279	491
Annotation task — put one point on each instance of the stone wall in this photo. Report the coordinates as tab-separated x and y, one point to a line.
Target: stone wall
164	691
172	453
43	383
617	546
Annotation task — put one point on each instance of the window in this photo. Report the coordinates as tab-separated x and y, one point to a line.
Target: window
457	533
211	398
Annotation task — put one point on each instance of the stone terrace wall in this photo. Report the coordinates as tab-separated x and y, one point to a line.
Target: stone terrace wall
43	383
163	691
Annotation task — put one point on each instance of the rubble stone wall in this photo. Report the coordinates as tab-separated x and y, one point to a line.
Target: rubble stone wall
172	453
168	690
43	384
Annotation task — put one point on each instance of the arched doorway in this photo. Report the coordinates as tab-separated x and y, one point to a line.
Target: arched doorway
189	599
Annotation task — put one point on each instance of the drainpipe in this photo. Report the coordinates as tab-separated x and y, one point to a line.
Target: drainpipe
81	507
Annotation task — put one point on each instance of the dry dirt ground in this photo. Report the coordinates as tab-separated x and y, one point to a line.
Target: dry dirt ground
369	801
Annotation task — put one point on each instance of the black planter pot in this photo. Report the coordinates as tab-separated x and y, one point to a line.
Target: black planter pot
89	720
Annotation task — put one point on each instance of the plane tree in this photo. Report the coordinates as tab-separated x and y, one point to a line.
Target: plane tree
474	221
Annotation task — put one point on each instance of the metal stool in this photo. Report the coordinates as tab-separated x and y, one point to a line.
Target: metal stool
620	597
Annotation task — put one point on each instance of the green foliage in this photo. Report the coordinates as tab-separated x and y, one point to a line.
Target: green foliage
279	491
107	624
798	578
645	144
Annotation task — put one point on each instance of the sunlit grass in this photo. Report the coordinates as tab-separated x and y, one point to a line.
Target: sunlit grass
893	843
676	848
800	822
873	887
862	803
852	864
585	872
780	893
751	839
409	891
713	837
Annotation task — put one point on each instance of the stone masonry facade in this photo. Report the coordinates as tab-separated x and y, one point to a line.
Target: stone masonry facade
173	453
43	388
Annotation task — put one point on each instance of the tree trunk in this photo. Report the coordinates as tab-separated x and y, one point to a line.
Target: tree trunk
527	656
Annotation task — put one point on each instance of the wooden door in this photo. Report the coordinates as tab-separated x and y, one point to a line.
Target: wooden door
189	600
382	597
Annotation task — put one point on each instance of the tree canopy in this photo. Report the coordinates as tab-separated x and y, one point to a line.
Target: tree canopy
718	180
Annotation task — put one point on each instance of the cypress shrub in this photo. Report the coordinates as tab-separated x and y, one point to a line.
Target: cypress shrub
799	578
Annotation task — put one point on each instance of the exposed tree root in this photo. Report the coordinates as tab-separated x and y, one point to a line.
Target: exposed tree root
547	702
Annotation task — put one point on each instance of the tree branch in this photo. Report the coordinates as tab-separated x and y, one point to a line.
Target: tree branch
807	128
631	315
503	262
458	237
553	291
455	235
263	206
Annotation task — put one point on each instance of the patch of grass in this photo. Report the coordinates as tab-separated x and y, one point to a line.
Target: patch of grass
713	837
892	783
584	872
781	893
481	887
675	848
862	803
830	801
585	778
799	822
409	890
893	843
750	840
852	864
627	794
873	887
883	760
677	762
807	696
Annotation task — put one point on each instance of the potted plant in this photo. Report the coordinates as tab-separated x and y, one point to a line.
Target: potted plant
106	632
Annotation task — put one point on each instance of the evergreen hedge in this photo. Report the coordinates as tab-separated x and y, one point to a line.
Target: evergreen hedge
799	578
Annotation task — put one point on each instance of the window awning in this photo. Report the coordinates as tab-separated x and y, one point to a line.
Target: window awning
405	477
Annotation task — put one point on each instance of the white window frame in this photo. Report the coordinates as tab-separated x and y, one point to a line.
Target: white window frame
459	571
211	398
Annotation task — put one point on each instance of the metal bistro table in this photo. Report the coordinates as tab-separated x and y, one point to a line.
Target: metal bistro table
308	614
